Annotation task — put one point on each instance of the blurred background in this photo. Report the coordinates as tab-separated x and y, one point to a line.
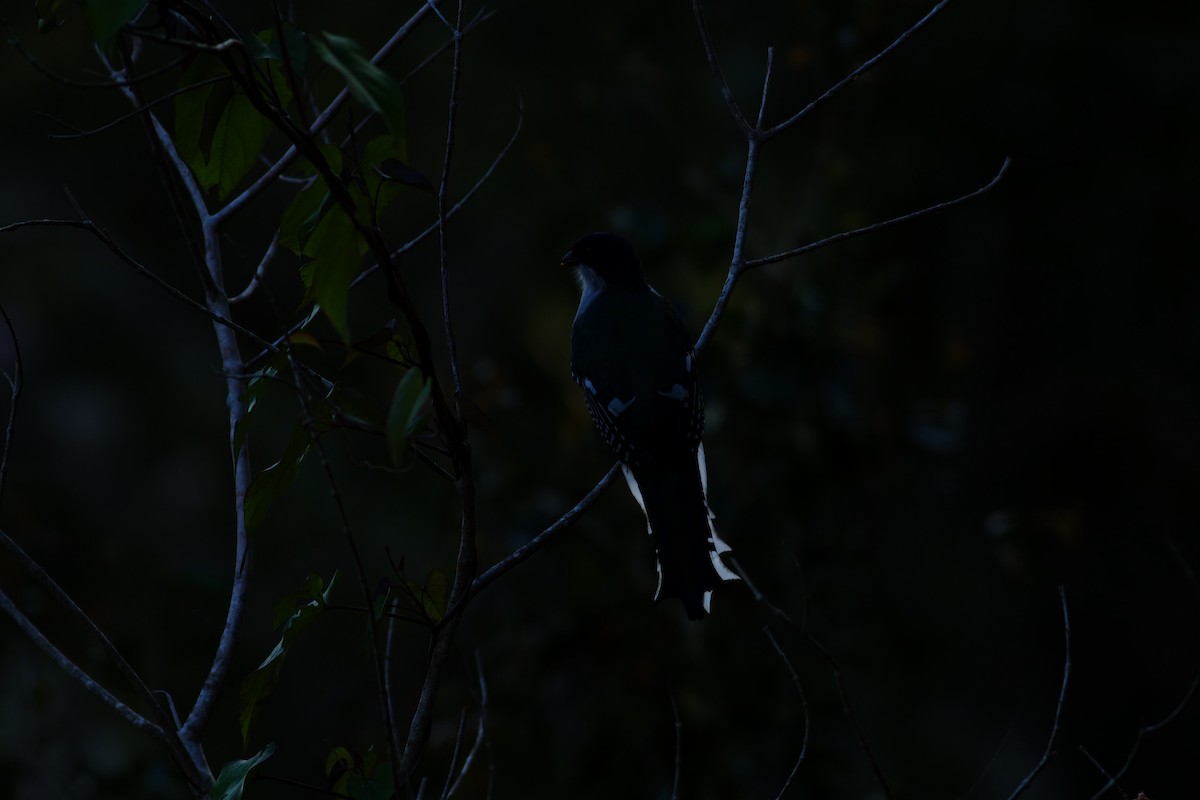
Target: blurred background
913	437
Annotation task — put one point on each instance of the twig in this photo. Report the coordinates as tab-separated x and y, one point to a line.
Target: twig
462	726
1062	698
85	680
82	134
259	272
775	611
15	382
102	235
678	745
47	72
1111	781
1174	712
165	731
803	701
711	54
480	737
443	184
862	69
858	731
878	226
379	659
536	543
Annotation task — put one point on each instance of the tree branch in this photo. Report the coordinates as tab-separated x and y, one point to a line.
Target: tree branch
1062	698
878	226
323	119
536	543
859	72
803	701
15	382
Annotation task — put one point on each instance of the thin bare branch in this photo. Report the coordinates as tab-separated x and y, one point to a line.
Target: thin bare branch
480	735
137	112
803	702
1058	708
443	187
15	42
859	72
379	660
462	727
762	106
737	262
678	746
85	680
165	725
711	54
1111	780
259	273
15	382
843	694
536	543
102	235
878	226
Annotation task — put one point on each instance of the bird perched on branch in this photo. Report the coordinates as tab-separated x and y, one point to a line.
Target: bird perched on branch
635	362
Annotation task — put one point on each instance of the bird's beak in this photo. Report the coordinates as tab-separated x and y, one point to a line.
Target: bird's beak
569	260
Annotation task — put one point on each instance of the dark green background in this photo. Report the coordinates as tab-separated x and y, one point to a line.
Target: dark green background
913	437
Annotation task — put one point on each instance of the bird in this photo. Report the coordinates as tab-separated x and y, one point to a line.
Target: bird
636	365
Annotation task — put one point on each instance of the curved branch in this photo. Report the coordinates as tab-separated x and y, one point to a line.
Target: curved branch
1062	698
711	54
862	69
536	543
15	381
102	235
142	109
878	226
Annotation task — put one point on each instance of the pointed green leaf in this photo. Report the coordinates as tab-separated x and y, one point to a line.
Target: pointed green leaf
240	135
272	481
105	18
232	780
394	170
47	12
266	45
257	687
407	402
369	84
380	787
336	250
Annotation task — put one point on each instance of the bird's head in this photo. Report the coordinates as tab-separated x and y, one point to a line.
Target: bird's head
605	258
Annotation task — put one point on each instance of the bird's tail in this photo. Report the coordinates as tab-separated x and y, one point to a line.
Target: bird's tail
687	547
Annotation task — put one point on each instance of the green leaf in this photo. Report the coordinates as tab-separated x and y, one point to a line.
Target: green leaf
394	170
266	45
380	787
302	215
272	481
336	250
218	131
105	18
437	588
232	780
257	686
47	13
369	84
240	135
405	413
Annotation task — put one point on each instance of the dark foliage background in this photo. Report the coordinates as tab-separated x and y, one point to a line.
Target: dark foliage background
913	437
